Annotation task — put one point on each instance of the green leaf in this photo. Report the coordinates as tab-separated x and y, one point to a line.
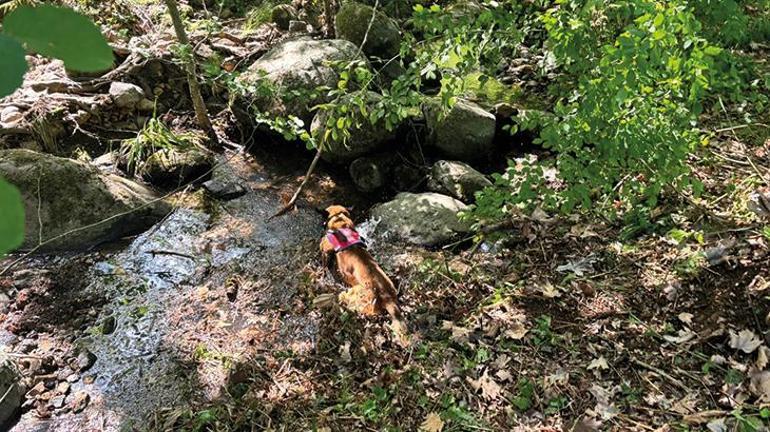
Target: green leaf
14	65
61	33
11	218
712	50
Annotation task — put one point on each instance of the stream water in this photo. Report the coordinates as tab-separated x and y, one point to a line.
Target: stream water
173	297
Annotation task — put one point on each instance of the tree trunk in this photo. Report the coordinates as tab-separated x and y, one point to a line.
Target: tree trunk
201	113
328	18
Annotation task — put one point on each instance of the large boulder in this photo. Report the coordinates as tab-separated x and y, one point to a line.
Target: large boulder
286	78
176	167
456	179
62	196
427	219
466	133
383	40
364	138
11	392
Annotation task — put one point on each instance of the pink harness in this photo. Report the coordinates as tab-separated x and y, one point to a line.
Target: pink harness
344	238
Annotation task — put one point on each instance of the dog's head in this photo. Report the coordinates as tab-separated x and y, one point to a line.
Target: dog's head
338	217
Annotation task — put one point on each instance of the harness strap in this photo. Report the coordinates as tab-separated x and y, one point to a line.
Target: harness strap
344	238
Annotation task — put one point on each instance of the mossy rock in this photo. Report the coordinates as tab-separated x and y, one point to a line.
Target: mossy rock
169	167
384	38
71	205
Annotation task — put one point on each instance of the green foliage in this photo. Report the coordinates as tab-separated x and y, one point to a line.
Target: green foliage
61	33
261	14
14	65
11	218
154	136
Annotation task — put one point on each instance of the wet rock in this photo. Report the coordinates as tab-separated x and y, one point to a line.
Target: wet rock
282	15
456	179
384	37
85	360
466	133
11	387
108	325
362	140
294	67
427	219
171	167
80	401
71	205
224	190
63	388
37	390
58	401
126	95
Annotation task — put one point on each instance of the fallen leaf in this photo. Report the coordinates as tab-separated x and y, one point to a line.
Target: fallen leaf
682	336
345	352
580	266
717	425
604	407
432	423
745	341
762	357
760	385
504	375
459	334
600	363
686	317
490	390
549	291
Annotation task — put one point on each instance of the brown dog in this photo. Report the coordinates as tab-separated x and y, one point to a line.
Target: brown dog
371	291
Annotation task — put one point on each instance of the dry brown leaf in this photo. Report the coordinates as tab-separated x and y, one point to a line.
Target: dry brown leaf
490	390
686	317
762	357
600	363
432	423
745	341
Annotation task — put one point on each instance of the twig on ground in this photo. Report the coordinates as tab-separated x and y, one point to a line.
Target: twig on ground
290	205
662	373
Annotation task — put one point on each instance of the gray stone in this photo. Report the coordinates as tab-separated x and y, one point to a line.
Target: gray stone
362	140
466	133
427	219
456	179
11	387
296	66
282	15
176	167
126	95
299	27
71	205
383	39
10	115
85	360
223	189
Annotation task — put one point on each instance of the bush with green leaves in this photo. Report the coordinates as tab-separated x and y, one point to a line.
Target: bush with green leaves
51	31
639	71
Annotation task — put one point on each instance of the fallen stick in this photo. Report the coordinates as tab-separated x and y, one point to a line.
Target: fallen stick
290	205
